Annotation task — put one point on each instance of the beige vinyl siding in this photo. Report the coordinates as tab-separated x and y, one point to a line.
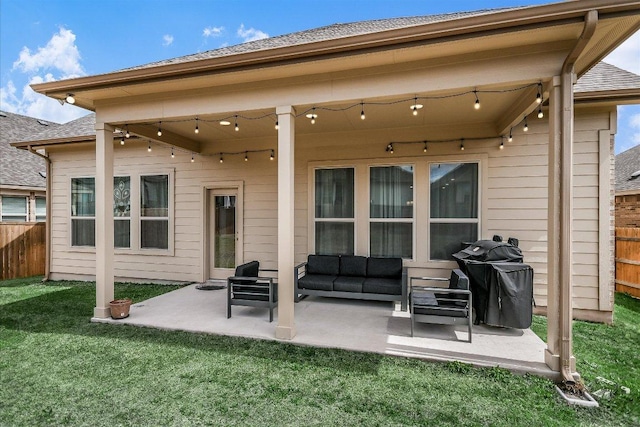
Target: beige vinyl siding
513	198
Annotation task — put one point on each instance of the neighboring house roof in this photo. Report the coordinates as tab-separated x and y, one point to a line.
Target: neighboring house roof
19	168
628	170
74	131
606	81
330	32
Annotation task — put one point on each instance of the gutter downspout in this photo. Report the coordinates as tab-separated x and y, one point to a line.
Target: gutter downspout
568	78
47	258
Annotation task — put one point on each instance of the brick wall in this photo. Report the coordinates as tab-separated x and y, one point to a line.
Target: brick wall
628	210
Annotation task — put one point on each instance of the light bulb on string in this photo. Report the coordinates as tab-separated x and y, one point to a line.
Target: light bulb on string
237	128
173	156
122	141
477	103
149	148
192	158
510	135
540	113
127	134
221	159
502	144
462	145
277	126
246	156
424	149
415	107
272	155
196	130
526	126
539	95
362	116
159	128
312	115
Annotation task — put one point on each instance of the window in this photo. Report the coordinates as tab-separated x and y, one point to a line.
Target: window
334	211
391	211
122	212
41	209
453	215
154	211
83	211
14	208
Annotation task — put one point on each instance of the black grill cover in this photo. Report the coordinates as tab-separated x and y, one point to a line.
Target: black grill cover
488	251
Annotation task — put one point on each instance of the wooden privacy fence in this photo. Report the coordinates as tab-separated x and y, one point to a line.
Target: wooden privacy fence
22	249
628	260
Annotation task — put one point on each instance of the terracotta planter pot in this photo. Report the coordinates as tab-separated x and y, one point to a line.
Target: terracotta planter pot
120	308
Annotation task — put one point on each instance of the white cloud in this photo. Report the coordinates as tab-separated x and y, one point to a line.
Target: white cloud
60	53
627	55
167	40
251	34
212	31
59	59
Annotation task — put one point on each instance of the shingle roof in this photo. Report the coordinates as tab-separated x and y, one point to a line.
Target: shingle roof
83	126
330	32
19	167
628	164
605	77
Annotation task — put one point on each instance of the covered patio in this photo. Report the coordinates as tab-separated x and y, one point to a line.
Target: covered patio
367	326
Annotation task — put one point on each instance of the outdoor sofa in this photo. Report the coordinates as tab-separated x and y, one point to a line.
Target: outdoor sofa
354	277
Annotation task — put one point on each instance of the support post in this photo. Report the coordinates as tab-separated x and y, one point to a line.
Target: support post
286	149
104	219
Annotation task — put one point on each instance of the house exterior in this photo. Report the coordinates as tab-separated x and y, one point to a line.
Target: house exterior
628	188
22	174
399	137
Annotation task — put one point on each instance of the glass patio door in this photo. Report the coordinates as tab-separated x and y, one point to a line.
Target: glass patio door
223	233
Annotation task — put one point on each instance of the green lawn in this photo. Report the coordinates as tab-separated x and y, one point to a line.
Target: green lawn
57	368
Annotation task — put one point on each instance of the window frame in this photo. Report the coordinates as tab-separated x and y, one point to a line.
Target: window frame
477	220
26	204
411	220
312	206
168	218
76	217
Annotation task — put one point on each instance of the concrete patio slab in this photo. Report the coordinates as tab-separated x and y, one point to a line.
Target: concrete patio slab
368	326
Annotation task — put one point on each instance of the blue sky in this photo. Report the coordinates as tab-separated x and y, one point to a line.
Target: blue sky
45	40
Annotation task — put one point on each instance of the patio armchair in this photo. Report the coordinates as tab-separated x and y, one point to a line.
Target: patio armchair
440	305
247	288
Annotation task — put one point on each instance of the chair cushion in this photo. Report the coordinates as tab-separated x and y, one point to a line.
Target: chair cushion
319	282
382	286
249	269
323	264
459	280
348	284
387	268
353	266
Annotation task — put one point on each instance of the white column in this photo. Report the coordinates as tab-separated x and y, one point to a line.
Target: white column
104	219
286	141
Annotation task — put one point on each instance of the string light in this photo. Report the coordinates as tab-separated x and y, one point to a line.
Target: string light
159	128
313	116
415	107
539	96
277	126
192	158
196	130
502	144
540	113
221	159
272	155
424	150
510	135
149	148
526	126
362	117
127	134
477	104
462	145
173	156
122	141
390	148
237	128
246	156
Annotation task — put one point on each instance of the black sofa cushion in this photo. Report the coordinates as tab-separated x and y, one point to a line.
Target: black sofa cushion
386	268
376	285
355	266
323	264
319	282
348	284
249	269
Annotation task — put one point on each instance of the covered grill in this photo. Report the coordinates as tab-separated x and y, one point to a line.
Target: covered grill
502	286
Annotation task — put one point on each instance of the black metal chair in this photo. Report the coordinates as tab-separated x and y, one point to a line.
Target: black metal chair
247	288
439	305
